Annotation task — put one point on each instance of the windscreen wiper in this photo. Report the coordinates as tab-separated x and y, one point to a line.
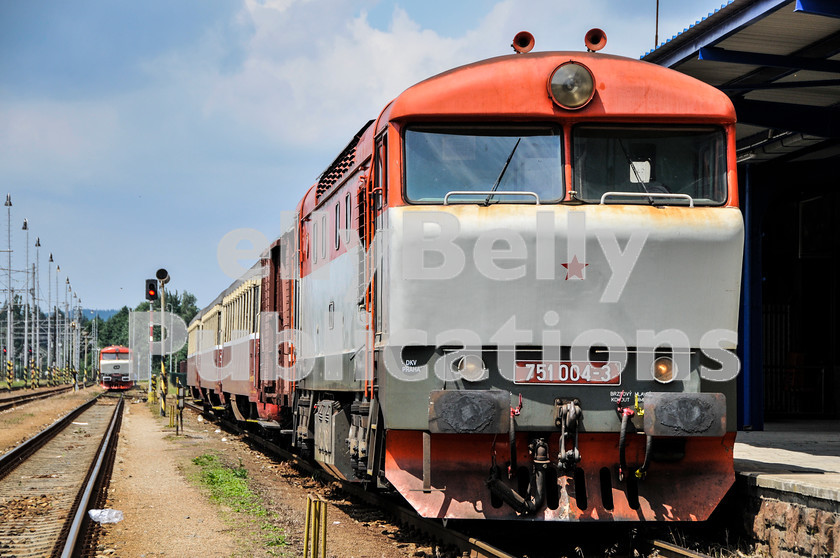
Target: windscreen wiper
634	169
501	174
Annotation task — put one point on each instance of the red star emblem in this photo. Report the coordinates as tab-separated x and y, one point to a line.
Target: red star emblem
574	269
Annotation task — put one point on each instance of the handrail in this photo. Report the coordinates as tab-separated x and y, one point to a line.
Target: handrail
488	193
648	195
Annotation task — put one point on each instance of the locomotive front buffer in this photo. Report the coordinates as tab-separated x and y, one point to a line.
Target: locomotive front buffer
664	458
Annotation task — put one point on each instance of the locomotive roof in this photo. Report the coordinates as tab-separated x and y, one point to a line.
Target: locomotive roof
516	86
626	89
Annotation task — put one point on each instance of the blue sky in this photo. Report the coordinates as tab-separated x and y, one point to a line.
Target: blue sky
135	135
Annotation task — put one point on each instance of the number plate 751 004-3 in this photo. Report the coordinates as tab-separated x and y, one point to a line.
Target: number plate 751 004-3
575	373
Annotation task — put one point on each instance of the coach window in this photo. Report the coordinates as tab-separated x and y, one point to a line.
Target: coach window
314	241
347	214
219	329
324	235
337	225
443	159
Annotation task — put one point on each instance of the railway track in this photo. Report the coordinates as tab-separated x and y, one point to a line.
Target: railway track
447	537
15	400
47	482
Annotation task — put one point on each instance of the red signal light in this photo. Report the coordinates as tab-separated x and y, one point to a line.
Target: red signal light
151	289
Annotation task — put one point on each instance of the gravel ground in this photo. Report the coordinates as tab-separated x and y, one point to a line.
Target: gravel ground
167	513
21	423
164	514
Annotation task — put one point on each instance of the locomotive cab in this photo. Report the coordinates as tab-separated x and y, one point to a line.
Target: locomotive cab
114	368
560	292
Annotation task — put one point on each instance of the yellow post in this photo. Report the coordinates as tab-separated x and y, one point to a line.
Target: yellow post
315	528
323	505
316	539
306	527
162	386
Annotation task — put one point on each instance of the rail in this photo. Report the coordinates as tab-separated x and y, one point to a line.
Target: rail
671	550
80	518
21	452
15	400
53	512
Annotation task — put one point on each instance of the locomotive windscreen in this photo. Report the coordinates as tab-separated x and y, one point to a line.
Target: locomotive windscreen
440	160
674	160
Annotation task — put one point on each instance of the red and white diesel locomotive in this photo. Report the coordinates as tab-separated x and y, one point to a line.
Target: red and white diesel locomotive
114	368
513	295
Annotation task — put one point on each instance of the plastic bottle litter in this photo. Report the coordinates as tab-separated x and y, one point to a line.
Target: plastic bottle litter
106	516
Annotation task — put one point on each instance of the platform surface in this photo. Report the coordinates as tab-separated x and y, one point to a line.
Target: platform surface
796	457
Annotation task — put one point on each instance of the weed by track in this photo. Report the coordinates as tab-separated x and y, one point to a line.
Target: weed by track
228	485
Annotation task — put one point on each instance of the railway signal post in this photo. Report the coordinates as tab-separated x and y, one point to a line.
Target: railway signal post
151	296
162	277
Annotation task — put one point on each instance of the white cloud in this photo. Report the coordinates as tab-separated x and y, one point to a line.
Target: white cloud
312	72
335	81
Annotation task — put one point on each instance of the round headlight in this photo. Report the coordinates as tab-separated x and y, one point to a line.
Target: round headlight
571	85
664	369
470	367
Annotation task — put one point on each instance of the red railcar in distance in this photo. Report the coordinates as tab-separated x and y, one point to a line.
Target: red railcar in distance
114	368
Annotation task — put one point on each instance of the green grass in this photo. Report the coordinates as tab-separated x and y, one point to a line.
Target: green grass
17	384
273	536
229	487
17	419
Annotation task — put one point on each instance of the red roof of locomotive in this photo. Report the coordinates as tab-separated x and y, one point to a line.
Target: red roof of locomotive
115	349
516	86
